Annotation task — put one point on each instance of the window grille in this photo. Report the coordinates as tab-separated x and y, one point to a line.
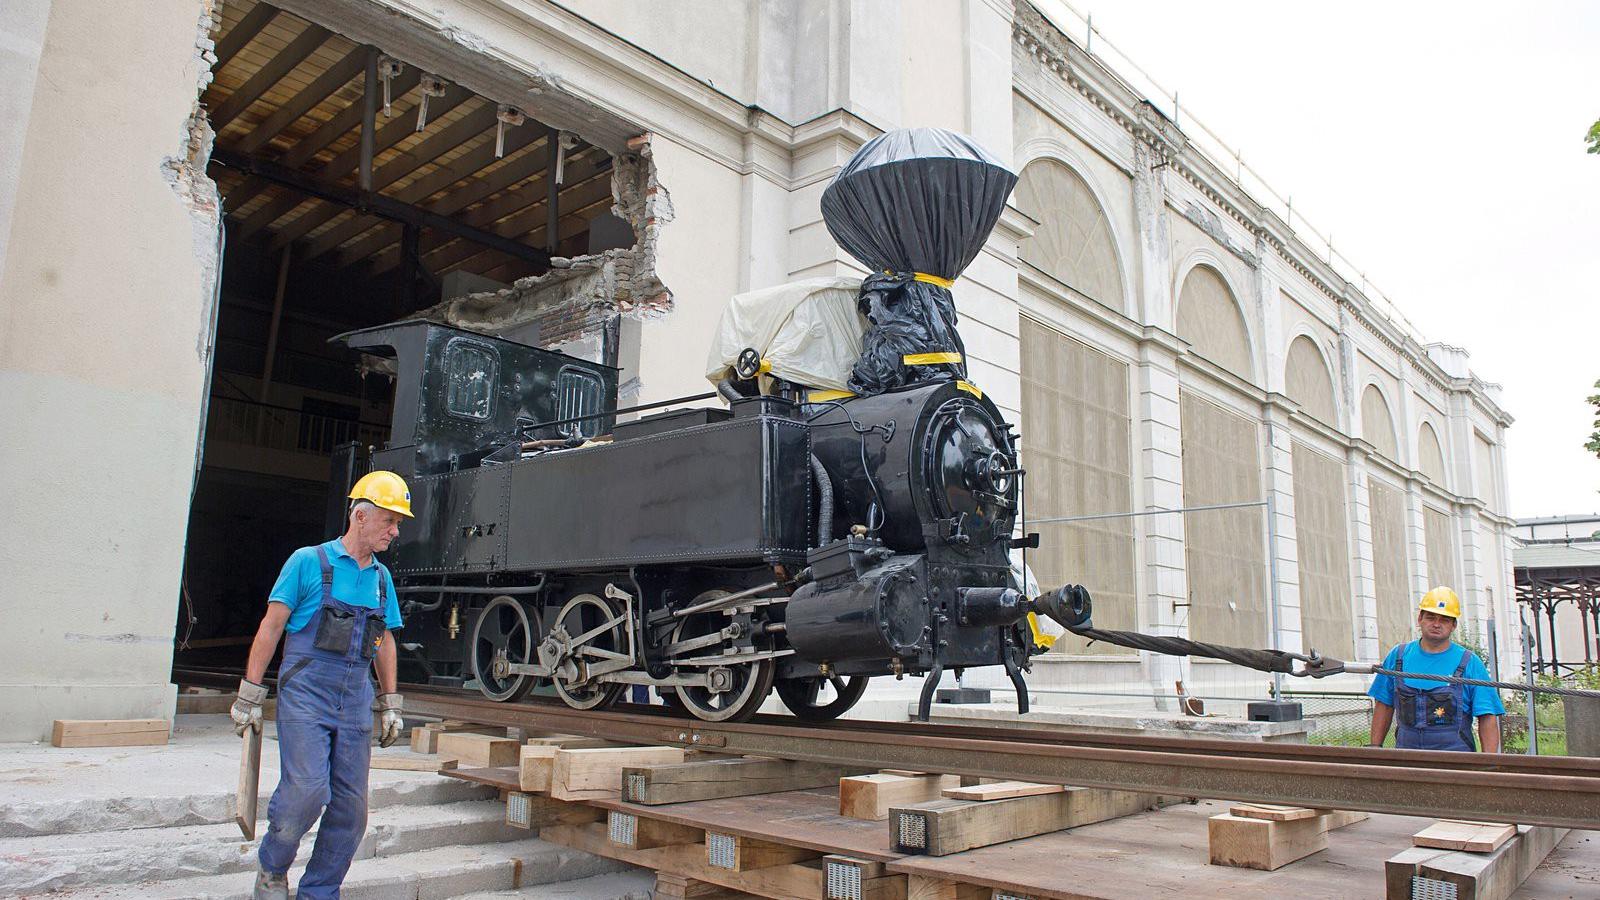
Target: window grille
578	393
469	371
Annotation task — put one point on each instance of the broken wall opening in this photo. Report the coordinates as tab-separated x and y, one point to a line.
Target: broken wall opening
370	174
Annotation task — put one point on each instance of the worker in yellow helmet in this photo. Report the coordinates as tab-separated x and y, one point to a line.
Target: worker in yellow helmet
1435	715
337	604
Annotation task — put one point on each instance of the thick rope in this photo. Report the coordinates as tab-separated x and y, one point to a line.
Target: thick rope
1502	685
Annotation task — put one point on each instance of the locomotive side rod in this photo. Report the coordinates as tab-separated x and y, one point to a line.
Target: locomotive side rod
1492	790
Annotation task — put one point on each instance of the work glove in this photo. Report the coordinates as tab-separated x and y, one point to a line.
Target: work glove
389	728
246	711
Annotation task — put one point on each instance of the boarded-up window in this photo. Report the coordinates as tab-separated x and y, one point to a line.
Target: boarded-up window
1483	462
1377	425
1076	438
1209	319
1308	382
1073	242
1326	616
1430	457
1438	531
1395	609
1224	550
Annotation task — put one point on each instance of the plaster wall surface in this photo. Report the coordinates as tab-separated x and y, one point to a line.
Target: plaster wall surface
104	300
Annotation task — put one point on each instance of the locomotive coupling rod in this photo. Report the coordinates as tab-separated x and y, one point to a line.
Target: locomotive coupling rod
721	602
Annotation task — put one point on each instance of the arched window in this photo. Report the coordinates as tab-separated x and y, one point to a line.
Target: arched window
1308	382
1377	425
1430	457
1210	320
1073	242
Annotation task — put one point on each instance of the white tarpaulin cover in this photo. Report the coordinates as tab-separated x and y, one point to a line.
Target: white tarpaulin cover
809	330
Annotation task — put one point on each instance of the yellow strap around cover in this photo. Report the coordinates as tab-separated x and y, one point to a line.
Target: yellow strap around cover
1039	637
970	388
825	396
924	277
930	359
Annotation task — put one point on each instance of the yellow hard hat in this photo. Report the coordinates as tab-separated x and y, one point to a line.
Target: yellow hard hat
1443	601
385	490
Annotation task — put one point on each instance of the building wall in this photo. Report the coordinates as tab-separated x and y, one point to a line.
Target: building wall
744	116
105	295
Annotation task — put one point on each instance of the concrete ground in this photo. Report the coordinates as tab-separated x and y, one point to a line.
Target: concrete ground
155	822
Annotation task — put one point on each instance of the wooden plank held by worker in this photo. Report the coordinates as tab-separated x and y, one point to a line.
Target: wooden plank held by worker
244	804
109	732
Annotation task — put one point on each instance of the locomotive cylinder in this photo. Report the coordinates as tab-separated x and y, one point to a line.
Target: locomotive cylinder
877	616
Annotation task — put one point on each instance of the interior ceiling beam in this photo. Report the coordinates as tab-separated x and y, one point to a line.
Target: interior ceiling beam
345	162
445	140
281	64
438	180
510	173
527	224
234	39
321	88
461	255
376	204
529	196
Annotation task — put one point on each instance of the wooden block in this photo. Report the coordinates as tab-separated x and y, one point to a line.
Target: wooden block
738	853
1474	876
1273	813
590	774
425	738
1001	790
679	887
795	881
1339	818
638	833
848	878
709	779
872	796
941	827
569	741
535	811
1263	843
478	750
1473	837
109	732
535	767
412	763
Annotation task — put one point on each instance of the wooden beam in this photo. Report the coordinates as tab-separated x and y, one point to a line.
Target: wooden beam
452	255
514	169
460	255
321	88
636	833
109	732
536	811
242	33
709	779
738	853
272	72
1263	843
941	827
597	773
378	204
402	164
524	201
871	796
1001	790
478	750
366	148
1474	876
1473	837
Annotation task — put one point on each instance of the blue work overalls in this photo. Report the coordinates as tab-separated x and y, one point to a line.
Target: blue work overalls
324	739
1435	719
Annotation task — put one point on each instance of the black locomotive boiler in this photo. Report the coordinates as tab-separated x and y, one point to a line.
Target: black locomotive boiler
715	554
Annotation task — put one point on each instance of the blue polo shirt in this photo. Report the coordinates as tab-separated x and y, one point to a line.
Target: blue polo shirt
1481	700
299	585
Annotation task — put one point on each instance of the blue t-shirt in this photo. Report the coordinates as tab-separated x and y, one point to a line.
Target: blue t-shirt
299	585
1481	700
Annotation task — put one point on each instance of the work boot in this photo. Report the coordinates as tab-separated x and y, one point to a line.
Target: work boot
271	887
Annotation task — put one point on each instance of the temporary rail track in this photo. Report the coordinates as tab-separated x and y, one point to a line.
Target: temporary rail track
1558	791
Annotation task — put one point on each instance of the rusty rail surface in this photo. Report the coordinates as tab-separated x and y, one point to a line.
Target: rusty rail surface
1558	791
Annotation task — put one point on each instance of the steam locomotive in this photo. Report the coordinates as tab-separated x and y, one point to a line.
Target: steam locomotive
798	540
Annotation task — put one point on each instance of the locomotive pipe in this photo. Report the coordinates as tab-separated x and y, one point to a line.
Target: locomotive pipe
722	602
825	501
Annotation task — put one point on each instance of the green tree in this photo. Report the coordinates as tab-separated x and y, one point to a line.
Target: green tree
1593	137
1593	445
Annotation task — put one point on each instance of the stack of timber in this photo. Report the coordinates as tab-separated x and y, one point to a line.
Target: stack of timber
1468	860
1267	837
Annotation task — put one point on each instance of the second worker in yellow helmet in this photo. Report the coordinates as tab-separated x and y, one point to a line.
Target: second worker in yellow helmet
1435	715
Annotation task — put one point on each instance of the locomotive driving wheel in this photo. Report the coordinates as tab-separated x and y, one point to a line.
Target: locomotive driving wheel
737	689
502	635
588	630
819	699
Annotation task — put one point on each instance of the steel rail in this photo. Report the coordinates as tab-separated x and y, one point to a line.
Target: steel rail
1560	791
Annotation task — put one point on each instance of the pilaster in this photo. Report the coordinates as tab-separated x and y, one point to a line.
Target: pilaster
1283	569
1363	565
1161	487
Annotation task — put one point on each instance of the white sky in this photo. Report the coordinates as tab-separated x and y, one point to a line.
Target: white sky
1441	145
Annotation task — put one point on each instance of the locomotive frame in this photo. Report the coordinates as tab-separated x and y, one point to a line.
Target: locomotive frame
712	554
